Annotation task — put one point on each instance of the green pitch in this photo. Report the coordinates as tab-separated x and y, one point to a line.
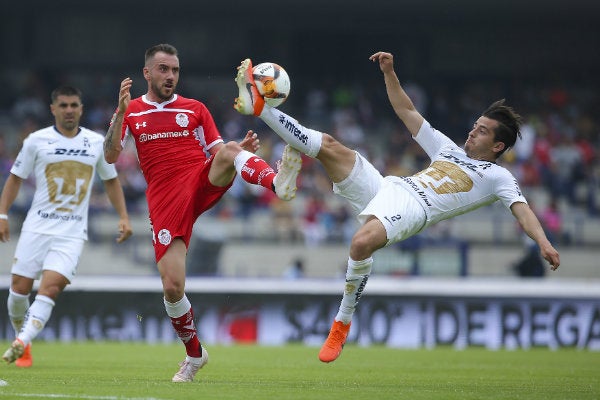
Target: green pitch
128	371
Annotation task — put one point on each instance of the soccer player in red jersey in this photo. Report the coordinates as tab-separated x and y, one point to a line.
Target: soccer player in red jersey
188	168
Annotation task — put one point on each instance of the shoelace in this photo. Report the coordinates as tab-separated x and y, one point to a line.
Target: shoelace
337	337
187	366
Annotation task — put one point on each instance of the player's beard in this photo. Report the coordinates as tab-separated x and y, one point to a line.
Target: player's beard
70	124
162	92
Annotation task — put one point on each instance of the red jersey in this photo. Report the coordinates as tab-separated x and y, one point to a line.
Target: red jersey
169	137
172	141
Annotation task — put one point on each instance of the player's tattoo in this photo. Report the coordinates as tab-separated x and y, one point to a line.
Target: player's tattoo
108	139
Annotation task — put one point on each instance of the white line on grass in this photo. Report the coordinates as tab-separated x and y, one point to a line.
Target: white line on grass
68	396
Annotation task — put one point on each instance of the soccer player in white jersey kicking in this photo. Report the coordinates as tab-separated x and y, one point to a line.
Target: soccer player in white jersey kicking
392	208
64	158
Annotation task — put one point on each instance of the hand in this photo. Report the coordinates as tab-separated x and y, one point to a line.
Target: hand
250	142
386	61
551	255
4	231
125	230
124	94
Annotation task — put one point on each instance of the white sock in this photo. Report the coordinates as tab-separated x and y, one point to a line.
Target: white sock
241	159
357	275
37	316
179	308
17	305
305	140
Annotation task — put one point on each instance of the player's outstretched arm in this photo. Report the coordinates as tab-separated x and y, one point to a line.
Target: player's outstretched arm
531	225
9	194
402	104
114	190
112	140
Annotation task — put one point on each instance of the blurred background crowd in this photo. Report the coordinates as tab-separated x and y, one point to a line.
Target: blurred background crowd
557	156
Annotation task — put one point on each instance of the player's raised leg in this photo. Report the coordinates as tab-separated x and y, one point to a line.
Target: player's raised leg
256	171
250	102
337	159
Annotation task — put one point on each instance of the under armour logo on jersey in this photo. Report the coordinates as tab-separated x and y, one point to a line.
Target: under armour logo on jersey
138	125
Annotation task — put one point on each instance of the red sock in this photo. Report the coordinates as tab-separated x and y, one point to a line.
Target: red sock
186	330
258	172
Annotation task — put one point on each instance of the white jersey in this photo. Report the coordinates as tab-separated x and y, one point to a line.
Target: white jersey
454	183
64	170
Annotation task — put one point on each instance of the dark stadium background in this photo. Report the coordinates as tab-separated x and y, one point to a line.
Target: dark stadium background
433	40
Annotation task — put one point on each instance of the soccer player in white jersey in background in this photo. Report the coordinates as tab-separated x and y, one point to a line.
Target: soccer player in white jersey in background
391	209
64	159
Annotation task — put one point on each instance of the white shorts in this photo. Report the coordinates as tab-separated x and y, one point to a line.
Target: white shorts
361	185
37	252
369	193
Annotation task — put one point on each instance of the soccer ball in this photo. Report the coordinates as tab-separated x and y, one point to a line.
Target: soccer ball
272	82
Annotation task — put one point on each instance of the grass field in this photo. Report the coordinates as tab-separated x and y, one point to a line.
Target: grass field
127	371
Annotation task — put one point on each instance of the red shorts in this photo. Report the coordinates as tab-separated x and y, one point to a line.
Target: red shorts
175	204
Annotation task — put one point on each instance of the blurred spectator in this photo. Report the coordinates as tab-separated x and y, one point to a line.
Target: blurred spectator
531	263
347	128
313	225
132	180
552	222
98	115
285	224
525	147
32	102
295	270
566	164
6	160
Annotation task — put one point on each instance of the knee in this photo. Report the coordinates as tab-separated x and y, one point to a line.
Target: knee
229	151
368	239
332	149
328	142
51	291
361	246
173	290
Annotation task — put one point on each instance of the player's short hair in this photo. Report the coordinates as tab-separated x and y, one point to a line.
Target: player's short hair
509	124
65	90
163	47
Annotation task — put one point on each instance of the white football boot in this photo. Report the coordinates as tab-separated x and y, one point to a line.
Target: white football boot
188	370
